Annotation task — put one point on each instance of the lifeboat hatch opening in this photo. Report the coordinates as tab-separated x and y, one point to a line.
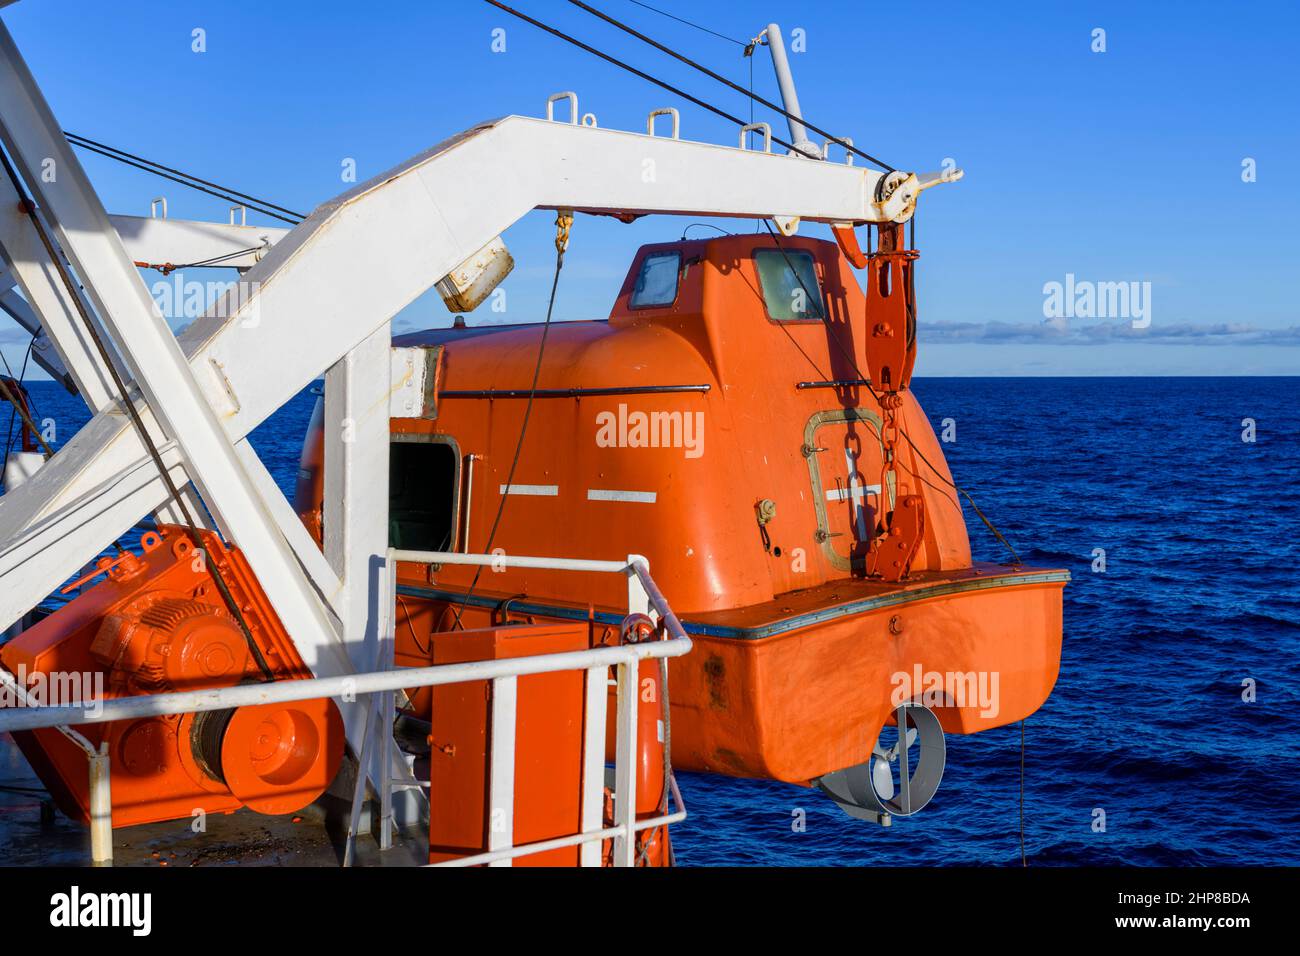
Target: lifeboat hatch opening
423	492
845	465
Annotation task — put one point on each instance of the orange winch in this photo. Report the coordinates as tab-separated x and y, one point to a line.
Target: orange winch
158	624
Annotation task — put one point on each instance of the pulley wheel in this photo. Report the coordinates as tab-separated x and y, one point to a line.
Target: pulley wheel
277	758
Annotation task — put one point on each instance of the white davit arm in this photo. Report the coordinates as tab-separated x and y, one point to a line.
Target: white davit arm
360	258
183	241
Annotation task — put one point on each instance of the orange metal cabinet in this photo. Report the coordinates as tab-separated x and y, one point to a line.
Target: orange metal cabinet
548	746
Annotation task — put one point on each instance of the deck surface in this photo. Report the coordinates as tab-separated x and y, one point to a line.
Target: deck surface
243	838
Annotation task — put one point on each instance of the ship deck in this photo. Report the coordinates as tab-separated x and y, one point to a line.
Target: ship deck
33	833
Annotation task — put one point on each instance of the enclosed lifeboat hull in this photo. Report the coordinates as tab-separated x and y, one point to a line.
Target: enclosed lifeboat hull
737	447
800	687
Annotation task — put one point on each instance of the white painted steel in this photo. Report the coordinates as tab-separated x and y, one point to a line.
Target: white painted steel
328	585
355	514
625	753
670	111
359	782
247	695
789	97
383	769
376	689
101	808
638	599
501	766
168	382
20	692
320	280
409	378
508	561
43	291
596	700
44	352
182	241
21	465
588	841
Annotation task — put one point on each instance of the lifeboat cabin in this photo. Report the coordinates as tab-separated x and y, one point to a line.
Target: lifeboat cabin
742	420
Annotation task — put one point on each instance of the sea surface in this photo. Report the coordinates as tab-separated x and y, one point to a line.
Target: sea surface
1147	723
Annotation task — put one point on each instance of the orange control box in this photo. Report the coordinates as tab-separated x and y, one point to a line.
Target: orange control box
548	746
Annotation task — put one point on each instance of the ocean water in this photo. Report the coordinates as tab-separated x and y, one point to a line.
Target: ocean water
1147	723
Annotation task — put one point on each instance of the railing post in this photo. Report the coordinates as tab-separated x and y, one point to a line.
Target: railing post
625	754
501	767
101	808
387	701
359	785
593	762
638	601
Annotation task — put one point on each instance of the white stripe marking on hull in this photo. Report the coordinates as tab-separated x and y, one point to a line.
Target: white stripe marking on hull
857	491
545	491
602	494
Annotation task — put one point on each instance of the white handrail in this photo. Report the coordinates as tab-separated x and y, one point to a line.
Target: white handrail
284	691
595	661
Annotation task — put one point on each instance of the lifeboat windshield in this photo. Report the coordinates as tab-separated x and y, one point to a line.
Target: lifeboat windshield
790	287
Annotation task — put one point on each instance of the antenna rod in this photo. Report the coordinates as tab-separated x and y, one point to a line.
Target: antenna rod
789	98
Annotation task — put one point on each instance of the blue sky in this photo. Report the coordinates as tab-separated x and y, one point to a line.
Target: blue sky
1122	166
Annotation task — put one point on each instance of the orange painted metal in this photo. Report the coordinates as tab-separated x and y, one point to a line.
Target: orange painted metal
890	557
14	391
548	746
795	643
891	306
158	624
651	789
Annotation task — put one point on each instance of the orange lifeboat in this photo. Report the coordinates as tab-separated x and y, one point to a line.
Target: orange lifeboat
742	420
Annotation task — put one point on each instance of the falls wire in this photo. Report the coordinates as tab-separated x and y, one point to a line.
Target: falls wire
1023	860
27	205
186	179
628	67
561	245
834	337
696	26
754	97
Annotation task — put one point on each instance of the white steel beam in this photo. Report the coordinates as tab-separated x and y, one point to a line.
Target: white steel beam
182	241
501	766
328	585
114	286
29	264
44	352
342	274
625	764
355	517
596	704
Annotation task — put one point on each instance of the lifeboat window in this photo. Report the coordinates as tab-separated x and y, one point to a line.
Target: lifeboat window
790	286
656	283
423	492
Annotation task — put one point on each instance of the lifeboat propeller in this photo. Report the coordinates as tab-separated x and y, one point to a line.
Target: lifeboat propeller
869	790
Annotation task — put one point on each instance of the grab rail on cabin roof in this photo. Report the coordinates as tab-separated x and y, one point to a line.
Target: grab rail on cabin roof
644	597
